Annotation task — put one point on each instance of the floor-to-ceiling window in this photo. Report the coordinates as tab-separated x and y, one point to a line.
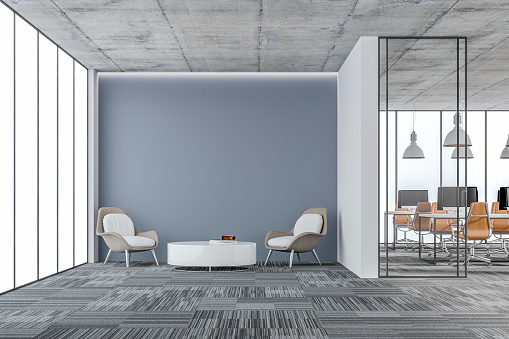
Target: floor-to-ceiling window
43	152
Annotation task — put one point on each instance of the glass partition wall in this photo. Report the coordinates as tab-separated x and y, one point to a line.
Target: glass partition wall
424	174
43	147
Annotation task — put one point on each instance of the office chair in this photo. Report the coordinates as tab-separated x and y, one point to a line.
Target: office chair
443	228
477	228
499	230
425	224
402	223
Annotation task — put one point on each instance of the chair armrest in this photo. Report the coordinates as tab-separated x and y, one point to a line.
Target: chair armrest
305	242
150	234
115	241
275	234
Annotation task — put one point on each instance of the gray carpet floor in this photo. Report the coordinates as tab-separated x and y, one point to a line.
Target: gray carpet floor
308	301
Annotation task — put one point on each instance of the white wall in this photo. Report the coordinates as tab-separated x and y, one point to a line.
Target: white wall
358	159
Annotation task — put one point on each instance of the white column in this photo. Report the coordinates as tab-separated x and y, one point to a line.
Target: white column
93	157
358	159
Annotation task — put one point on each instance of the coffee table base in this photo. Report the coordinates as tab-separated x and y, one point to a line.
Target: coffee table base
227	269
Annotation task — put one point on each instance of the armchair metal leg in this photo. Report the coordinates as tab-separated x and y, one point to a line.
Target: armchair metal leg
155	258
126	258
298	256
291	258
268	256
316	257
107	257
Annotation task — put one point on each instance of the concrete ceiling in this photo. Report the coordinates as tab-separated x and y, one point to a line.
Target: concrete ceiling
289	36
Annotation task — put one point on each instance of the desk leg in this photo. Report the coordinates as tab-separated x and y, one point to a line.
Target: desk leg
419	237
386	230
435	239
395	236
386	242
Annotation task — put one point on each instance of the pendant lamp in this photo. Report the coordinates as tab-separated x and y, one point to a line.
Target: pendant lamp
413	151
470	155
505	151
451	140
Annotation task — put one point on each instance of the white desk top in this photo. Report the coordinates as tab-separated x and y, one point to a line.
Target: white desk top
462	216
442	216
401	212
499	216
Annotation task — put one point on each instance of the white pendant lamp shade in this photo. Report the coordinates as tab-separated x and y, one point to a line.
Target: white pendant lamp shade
413	151
470	155
505	151
451	140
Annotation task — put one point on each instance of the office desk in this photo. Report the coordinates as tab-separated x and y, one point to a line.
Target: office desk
462	216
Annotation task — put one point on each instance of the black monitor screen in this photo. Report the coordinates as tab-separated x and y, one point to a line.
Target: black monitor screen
503	200
411	197
447	197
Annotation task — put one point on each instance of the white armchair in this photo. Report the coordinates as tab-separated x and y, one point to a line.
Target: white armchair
305	235
120	234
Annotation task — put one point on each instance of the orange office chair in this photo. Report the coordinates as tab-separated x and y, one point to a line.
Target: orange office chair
402	223
477	228
426	224
443	228
499	230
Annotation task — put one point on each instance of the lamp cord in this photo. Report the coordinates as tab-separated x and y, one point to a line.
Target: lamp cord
413	121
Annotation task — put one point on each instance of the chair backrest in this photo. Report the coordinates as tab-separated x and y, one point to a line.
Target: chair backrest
499	224
308	223
103	211
478	225
401	219
118	223
494	207
317	210
442	225
425	223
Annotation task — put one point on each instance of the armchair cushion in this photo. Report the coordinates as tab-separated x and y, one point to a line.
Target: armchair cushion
135	241
308	223
118	223
281	241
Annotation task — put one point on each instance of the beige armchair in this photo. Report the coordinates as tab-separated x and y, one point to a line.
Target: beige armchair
305	235
122	236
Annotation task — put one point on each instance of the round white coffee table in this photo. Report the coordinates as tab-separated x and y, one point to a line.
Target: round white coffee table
204	254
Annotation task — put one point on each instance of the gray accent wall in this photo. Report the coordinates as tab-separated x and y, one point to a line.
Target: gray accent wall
195	156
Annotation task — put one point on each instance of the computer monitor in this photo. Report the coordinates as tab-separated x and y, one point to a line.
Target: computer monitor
503	198
447	197
410	198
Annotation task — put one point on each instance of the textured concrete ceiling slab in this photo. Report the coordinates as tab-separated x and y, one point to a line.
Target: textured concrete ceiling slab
289	36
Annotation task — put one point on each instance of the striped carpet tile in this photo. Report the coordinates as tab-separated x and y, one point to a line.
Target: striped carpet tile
30	319
148	299
255	319
258	333
375	304
111	333
253	292
167	319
